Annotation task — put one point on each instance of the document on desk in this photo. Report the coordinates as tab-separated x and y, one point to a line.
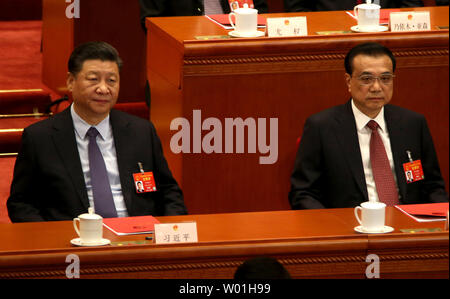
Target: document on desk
427	212
224	22
131	225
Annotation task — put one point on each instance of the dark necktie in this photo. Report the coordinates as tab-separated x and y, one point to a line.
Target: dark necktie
101	189
382	173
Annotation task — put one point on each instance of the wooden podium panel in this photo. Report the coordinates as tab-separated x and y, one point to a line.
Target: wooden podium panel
283	78
309	243
114	21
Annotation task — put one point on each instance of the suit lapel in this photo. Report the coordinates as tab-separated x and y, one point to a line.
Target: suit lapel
63	136
347	136
396	135
123	138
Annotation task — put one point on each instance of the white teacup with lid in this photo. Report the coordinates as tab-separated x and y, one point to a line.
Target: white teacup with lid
372	215
368	16
372	218
246	21
91	228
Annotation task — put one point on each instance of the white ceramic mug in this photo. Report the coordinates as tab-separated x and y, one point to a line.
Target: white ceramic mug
91	227
368	16
246	23
372	216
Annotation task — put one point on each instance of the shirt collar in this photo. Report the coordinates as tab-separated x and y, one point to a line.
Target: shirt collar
81	126
362	119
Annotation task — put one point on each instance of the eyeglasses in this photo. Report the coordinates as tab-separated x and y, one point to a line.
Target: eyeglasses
385	79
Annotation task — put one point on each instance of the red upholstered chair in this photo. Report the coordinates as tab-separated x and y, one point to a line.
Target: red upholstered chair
11	129
10	140
24	101
139	109
20	108
6	174
429	2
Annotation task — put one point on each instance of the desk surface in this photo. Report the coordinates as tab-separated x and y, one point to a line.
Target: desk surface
185	29
320	237
227	227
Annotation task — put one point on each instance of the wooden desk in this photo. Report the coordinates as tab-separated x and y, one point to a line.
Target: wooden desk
309	243
284	78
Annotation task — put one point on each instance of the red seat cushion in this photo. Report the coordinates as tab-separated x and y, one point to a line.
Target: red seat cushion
23	101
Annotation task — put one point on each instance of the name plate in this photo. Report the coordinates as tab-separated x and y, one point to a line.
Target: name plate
174	233
410	21
294	26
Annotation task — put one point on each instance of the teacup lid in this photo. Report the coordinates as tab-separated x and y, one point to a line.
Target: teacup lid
368	5
245	10
90	214
373	204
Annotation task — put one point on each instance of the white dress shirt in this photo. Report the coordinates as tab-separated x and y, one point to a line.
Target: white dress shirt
364	134
105	141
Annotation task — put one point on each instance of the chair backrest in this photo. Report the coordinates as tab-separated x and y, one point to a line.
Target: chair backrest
10	140
139	109
429	2
18	101
11	128
6	173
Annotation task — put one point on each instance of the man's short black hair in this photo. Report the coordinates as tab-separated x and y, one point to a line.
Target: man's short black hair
92	51
368	49
262	267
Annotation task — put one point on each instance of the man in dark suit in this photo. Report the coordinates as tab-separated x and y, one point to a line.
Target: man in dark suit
327	5
53	179
335	164
164	8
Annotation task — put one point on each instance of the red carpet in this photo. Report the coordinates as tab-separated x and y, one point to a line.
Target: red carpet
20	56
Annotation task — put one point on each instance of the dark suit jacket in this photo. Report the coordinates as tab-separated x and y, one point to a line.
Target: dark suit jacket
329	173
48	182
325	5
164	8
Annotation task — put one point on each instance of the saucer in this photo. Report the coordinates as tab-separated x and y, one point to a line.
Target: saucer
386	229
77	242
257	33
378	29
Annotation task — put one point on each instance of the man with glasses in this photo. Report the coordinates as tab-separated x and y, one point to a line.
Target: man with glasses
362	150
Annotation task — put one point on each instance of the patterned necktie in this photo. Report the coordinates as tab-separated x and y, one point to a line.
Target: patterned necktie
101	189
212	7
382	173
